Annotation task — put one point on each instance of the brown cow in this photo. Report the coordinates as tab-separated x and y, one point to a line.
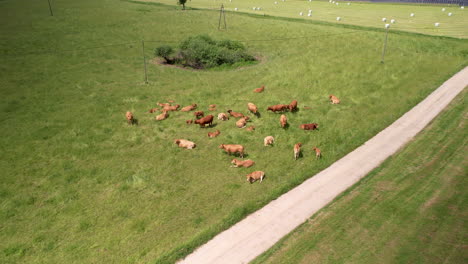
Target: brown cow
162	116
242	122
255	176
129	117
230	148
283	121
242	163
188	122
318	153
297	150
199	114
252	108
312	126
259	90
152	110
188	108
269	140
213	134
293	106
250	128
185	143
168	108
212	107
235	114
278	108
163	104
205	120
334	99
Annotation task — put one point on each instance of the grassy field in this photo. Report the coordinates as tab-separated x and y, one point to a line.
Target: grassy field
357	13
412	209
79	185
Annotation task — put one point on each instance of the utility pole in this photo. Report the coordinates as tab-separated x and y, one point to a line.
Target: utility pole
50	8
387	26
144	61
222	14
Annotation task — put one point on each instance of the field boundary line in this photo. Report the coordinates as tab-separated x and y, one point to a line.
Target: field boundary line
260	230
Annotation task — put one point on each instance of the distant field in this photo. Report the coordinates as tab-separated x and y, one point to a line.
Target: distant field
357	13
412	209
79	185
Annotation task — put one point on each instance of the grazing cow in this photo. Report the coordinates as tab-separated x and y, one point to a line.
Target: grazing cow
213	134
293	106
269	140
242	163
212	107
205	120
188	122
278	108
242	122
255	176
283	121
252	108
185	143
170	101
152	110
318	153
130	119
297	150
199	114
250	128
259	90
168	108
334	99
188	108
223	117
162	116
312	126
235	114
230	148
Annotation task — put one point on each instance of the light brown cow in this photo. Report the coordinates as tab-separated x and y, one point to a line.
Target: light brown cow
152	110
312	126
188	122
283	121
168	108
212	107
183	143
318	153
199	114
213	134
231	148
162	116
334	99
242	122
163	104
252	108
188	108
235	114
259	90
129	117
223	117
250	128
242	163
297	150
269	140
255	176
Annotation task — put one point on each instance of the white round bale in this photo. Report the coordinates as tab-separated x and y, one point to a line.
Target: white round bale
443	9
393	21
349	3
301	13
437	24
411	15
254	8
338	19
387	25
235	9
309	14
449	14
384	19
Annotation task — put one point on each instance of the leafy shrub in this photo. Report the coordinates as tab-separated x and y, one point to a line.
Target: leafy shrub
203	52
165	52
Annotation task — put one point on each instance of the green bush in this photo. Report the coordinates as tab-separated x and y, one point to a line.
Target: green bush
165	52
202	52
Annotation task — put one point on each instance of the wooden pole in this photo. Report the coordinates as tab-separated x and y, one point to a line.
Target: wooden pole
144	60
50	8
385	46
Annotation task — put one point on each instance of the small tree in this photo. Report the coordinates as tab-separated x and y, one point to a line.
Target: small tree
182	2
164	51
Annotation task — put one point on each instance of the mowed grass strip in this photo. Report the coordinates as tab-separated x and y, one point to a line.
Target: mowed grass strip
412	209
80	185
357	13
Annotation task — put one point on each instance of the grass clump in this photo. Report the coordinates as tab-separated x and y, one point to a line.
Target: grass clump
203	52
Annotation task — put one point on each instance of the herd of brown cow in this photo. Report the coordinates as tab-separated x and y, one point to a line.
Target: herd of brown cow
203	120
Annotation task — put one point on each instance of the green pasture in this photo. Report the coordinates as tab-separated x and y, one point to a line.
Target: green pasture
412	209
79	185
357	13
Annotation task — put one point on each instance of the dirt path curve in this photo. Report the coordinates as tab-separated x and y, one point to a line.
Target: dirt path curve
259	231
